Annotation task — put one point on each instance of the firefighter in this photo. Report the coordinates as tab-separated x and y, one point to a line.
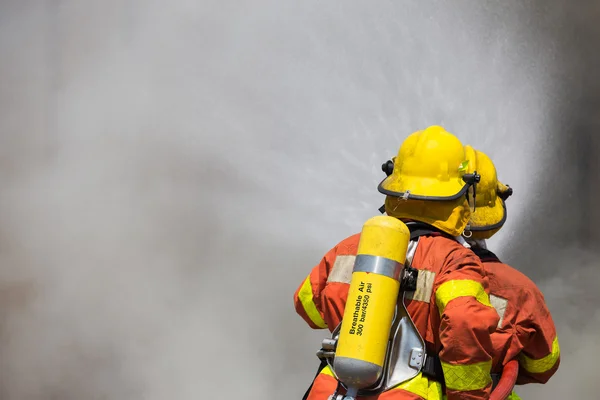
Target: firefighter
525	330
427	187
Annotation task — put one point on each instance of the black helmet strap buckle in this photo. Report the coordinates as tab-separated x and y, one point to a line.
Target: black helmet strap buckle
472	180
506	194
388	167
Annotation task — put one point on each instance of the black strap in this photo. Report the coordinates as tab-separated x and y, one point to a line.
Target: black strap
420	229
484	254
432	369
495	380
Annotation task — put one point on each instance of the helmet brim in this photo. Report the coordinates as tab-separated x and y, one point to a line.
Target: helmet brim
420	188
488	218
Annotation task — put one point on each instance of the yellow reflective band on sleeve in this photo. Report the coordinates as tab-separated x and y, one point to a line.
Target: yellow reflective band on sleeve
327	371
423	387
451	290
306	298
543	364
467	377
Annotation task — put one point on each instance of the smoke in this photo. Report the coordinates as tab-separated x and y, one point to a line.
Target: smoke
556	241
170	174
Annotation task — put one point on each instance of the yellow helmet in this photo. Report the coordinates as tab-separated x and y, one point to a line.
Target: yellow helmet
430	165
489	213
428	181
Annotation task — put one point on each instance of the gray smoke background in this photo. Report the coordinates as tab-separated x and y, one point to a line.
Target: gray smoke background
171	171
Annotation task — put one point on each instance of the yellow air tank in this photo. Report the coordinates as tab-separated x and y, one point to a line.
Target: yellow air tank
372	297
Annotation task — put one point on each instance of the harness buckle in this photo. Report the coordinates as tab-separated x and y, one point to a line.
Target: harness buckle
408	281
416	358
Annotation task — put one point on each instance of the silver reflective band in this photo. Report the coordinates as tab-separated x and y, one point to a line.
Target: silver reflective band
342	269
377	265
499	305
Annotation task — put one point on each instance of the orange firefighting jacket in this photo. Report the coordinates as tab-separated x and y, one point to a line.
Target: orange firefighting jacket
450	308
526	330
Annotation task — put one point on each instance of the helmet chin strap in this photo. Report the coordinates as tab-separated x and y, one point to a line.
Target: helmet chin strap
462	241
472	179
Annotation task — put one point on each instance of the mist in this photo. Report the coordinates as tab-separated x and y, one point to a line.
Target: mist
170	175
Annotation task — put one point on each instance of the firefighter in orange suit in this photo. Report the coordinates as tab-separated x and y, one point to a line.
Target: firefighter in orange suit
525	330
427	188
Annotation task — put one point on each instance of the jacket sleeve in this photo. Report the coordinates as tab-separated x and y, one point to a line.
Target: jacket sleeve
540	357
467	321
307	298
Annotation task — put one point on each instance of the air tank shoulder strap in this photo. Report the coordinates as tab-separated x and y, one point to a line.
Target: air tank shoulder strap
418	229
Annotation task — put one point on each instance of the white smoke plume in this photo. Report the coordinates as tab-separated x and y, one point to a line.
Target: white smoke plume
171	172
